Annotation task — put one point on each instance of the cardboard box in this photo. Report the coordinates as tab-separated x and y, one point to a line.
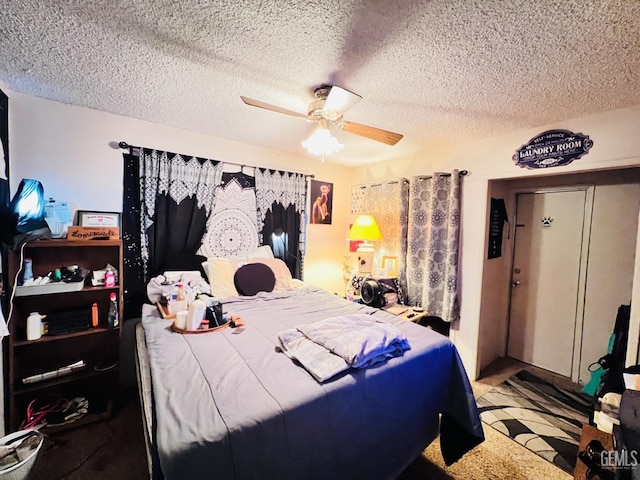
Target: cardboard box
88	233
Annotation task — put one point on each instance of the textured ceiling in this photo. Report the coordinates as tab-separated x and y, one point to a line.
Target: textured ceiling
439	72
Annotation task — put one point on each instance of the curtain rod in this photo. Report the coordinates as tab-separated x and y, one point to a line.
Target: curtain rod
404	180
390	182
461	172
125	145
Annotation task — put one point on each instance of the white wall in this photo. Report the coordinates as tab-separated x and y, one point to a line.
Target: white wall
71	151
68	149
614	135
495	285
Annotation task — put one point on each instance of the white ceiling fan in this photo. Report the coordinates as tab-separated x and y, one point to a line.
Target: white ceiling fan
328	108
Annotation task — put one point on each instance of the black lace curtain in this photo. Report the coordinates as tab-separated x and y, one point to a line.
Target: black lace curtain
176	206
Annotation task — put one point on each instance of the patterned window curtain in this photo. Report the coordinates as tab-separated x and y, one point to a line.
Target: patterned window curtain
388	202
433	241
167	201
281	198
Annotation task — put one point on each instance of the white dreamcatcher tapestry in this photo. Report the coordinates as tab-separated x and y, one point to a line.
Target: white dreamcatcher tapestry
232	228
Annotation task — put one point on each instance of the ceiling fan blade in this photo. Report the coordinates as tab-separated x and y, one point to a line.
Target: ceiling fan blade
340	100
273	108
377	134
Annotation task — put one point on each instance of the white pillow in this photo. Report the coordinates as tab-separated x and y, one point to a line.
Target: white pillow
280	270
220	272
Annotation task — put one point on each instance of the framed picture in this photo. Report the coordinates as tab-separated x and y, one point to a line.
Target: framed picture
98	219
321	202
390	265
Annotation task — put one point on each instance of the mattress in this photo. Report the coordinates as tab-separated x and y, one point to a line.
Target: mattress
230	405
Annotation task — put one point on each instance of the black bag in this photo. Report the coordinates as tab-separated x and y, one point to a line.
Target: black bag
613	363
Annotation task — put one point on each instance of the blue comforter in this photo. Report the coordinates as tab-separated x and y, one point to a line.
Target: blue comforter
230	405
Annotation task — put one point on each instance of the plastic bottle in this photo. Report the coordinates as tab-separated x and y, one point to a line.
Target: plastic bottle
109	278
181	320
196	314
94	315
28	271
180	303
34	326
113	318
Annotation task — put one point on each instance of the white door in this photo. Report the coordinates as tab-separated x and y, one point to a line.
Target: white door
546	279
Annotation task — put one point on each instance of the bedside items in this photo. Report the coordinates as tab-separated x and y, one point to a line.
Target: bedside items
389	288
418	315
406	313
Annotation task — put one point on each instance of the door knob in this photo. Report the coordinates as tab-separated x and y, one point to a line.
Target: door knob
515	283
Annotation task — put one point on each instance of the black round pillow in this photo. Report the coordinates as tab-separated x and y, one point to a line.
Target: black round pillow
252	278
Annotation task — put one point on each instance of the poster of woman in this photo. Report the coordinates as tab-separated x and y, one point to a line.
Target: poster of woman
321	202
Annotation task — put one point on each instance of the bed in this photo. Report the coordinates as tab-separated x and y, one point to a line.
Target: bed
230	405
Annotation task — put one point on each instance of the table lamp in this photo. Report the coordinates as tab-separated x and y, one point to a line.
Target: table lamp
366	229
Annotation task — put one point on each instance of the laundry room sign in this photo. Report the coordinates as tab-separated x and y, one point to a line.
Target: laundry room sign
552	148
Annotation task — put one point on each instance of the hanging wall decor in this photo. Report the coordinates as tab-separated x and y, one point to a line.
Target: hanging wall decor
498	217
322	200
552	148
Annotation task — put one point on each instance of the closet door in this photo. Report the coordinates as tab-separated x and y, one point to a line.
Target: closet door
546	278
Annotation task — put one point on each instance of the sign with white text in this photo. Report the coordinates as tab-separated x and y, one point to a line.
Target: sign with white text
552	148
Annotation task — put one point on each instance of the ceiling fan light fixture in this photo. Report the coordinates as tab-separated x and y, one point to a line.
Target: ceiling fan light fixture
328	108
321	143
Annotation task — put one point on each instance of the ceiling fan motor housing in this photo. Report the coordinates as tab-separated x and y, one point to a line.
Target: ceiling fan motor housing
316	109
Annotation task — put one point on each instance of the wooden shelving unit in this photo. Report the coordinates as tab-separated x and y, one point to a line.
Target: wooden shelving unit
98	347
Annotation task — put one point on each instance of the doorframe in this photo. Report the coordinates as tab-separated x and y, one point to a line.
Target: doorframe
633	338
589	189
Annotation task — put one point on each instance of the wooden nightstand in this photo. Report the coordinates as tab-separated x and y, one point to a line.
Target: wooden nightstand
406	313
423	318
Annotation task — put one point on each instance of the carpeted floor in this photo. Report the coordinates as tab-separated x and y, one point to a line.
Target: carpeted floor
538	415
499	457
111	449
114	449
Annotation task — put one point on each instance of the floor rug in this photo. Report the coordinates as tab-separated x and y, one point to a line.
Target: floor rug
543	418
